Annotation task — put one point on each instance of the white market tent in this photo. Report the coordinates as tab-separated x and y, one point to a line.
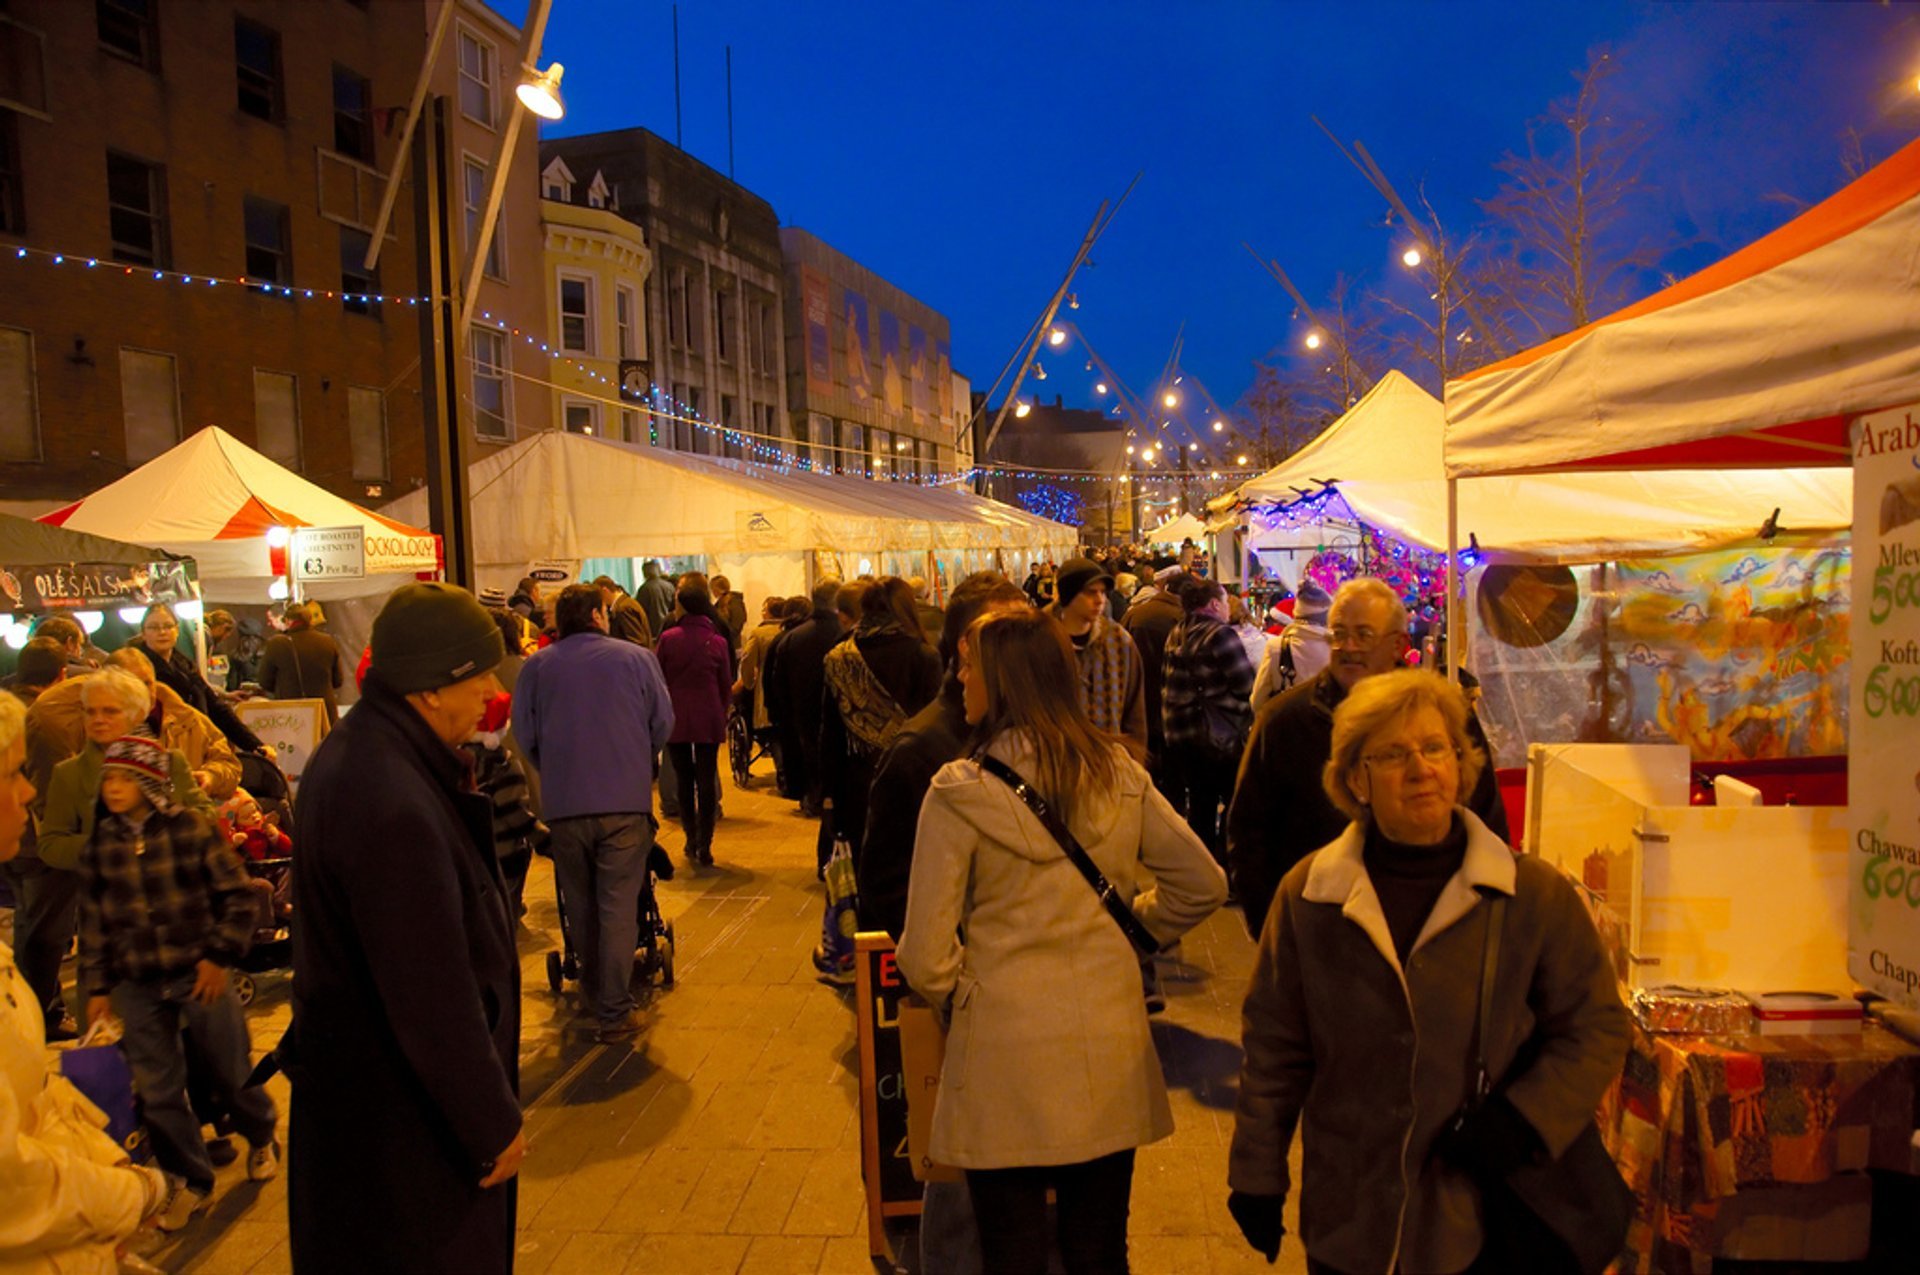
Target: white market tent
559	497
1175	530
1386	458
1758	360
214	499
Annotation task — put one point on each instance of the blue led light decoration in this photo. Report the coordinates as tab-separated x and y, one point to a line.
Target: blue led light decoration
1053	502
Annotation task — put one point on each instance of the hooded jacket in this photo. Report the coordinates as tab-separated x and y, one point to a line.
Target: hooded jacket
1049	1057
1370	1058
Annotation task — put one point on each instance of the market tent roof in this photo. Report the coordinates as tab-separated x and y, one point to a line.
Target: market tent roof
1385	459
214	499
1174	530
1758	360
43	567
560	495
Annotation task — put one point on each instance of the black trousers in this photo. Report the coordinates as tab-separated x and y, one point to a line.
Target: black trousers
1204	776
1091	1202
695	768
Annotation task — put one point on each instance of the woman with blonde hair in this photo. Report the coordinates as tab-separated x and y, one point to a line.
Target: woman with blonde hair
1364	1022
1051	1079
68	1194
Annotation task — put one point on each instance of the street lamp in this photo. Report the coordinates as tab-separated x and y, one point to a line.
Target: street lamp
1313	340
1219	426
1170	399
1022	407
1411	258
1056	337
540	93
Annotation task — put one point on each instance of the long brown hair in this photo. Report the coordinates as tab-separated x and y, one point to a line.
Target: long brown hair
1033	686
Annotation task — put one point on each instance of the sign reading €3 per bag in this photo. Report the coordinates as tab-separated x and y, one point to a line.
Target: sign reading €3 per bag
1883	916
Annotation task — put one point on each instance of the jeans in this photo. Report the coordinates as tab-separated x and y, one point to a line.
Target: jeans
156	1012
45	901
949	1237
600	862
1091	1201
697	776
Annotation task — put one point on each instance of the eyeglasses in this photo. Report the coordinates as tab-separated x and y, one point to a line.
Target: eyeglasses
159	626
1361	637
1433	753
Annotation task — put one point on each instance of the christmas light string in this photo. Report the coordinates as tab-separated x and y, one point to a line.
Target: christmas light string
153	274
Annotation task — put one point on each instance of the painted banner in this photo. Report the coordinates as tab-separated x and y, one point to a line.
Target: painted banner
859	347
892	376
1883	779
819	348
69	586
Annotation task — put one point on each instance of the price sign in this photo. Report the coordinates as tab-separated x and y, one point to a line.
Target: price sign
1883	783
329	553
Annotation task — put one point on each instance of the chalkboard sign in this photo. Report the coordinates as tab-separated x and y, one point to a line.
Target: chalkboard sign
885	1164
292	726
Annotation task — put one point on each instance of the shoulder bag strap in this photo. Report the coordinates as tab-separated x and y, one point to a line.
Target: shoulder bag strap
1116	906
1489	965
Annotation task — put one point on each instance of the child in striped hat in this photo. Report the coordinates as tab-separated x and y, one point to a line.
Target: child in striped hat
165	910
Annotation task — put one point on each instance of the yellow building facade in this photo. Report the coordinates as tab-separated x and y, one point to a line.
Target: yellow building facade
596	264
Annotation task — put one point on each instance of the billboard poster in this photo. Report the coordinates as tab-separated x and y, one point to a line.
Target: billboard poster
859	348
819	349
919	371
893	390
1883	781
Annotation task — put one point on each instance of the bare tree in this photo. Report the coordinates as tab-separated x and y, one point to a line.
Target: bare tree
1457	326
1562	215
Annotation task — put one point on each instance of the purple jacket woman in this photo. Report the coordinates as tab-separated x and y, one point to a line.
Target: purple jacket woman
698	664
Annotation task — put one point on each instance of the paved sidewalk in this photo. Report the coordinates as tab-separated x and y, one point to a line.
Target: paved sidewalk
727	1141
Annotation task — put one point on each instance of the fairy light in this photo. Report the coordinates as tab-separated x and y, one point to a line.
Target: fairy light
262	287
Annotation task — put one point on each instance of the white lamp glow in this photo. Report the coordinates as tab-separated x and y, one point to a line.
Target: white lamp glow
277	590
278	537
132	615
1056	337
17	636
89	620
1411	258
189	611
541	93
1313	340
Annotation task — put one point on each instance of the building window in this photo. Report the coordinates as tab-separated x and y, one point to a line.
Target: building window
127	30
355	278
256	62
490	385
149	403
352	114
19	400
722	321
676	308
624	306
476	78
474	194
556	181
576	314
13	204
598	191
689	316
276	417
137	210
756	349
581	417
367	432
268	257
629	427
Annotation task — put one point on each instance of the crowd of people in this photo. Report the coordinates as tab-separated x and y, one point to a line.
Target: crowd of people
1041	786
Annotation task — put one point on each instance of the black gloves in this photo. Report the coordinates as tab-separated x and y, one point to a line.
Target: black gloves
1258	1217
1493	1139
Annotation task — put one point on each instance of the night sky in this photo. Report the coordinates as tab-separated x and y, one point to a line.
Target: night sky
959	149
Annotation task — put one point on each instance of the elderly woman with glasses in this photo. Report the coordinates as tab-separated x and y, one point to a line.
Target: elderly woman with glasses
173	668
1360	1016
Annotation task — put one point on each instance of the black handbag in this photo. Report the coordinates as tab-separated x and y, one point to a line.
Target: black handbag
1561	1217
1118	908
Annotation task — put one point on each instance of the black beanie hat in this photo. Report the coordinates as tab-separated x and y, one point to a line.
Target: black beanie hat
431	635
1074	575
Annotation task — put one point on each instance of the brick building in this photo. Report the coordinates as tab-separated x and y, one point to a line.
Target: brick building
173	142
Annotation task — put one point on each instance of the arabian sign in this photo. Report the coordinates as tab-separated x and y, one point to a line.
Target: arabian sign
58	586
329	553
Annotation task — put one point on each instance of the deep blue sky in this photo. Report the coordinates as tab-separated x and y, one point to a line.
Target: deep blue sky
959	149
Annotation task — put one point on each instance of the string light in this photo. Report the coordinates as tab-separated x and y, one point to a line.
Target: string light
262	287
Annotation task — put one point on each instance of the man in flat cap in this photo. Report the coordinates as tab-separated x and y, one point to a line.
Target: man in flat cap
403	1055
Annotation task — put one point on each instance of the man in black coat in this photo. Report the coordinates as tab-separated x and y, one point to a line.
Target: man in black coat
1280	811
303	663
1150	622
404	1050
795	680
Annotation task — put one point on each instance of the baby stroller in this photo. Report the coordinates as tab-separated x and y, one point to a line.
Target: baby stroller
745	744
272	946
652	957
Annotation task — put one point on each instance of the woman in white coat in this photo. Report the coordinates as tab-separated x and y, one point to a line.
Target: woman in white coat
1051	1079
68	1196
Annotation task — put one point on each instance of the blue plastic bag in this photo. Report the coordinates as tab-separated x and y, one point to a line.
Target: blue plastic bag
101	1073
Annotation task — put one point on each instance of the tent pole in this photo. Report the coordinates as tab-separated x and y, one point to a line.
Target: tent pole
1452	629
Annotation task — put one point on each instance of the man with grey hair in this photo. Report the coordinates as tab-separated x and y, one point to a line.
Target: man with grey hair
1280	811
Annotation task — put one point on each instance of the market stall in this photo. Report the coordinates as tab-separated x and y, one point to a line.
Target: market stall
588	505
1175	530
102	584
1803	348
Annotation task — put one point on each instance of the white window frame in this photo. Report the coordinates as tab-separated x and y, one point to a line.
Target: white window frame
590	345
503	372
354	450
178	414
490	84
556	181
31	379
297	461
599	194
591	408
496	265
626	315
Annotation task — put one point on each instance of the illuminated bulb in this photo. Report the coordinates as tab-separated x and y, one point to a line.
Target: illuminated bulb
1240	460
1056	337
1313	340
189	611
1021	408
90	620
1219	426
1193	447
131	615
1129	449
1099	387
1170	399
1410	258
277	537
17	636
277	590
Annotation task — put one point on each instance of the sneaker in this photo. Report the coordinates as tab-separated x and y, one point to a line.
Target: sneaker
619	1031
184	1203
838	971
220	1151
263	1161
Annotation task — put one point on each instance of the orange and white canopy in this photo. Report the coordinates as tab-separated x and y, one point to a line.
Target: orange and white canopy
216	499
1756	361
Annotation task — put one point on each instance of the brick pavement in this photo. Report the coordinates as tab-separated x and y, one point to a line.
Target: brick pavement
728	1140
